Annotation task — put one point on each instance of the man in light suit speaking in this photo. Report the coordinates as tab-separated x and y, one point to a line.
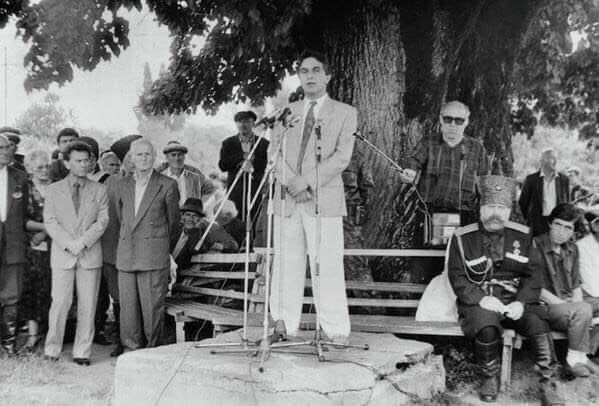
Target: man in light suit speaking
295	228
75	216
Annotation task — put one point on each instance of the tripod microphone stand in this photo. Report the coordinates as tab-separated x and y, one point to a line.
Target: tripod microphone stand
247	204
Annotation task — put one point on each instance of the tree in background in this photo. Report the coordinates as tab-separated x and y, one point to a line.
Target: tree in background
43	120
160	128
557	70
397	62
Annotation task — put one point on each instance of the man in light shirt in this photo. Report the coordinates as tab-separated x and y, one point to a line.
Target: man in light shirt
295	227
588	251
148	207
542	191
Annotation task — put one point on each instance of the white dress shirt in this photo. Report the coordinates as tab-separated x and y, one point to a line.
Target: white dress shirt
319	102
140	188
3	193
588	257
549	193
180	182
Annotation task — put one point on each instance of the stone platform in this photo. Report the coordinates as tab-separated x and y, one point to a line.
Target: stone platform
394	371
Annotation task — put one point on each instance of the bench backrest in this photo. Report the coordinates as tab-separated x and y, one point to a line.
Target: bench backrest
384	294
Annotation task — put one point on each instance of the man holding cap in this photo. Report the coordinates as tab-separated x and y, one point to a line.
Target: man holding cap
191	185
233	153
496	288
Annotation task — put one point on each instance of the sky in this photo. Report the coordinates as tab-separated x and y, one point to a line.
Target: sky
103	98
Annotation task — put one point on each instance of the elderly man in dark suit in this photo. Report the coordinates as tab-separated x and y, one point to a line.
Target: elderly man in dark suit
542	191
234	151
14	195
148	209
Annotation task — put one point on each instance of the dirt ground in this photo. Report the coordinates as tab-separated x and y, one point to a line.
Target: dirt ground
32	381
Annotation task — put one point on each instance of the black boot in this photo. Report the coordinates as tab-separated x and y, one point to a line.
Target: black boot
118	346
9	327
546	363
487	355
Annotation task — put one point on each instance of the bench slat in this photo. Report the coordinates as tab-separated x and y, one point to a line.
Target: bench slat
216	274
220	258
232	294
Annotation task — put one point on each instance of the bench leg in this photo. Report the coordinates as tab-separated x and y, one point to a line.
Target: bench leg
506	364
180	331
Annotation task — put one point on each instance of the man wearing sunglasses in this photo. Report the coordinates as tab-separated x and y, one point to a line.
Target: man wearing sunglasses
447	167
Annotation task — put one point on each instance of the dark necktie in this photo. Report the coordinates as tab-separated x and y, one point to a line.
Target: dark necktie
76	197
308	126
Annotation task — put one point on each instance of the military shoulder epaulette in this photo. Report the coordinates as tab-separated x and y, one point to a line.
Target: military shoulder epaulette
518	227
466	229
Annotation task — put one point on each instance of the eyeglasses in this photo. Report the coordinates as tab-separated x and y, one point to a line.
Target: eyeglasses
457	120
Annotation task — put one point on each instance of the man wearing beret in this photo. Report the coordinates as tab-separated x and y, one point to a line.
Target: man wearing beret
489	271
58	170
234	151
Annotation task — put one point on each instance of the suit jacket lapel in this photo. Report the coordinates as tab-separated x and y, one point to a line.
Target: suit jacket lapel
539	186
151	190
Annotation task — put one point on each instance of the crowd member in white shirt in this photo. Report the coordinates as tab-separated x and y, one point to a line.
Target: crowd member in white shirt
588	251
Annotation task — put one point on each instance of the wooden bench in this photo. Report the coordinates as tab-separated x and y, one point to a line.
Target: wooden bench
184	309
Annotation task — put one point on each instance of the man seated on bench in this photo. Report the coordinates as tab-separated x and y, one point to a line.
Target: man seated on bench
555	258
588	250
194	225
495	288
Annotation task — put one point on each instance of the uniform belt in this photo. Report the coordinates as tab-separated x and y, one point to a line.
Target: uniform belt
511	285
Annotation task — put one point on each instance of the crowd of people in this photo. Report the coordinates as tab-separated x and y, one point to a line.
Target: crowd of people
81	229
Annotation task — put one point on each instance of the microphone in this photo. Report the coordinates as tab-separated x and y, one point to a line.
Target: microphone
269	121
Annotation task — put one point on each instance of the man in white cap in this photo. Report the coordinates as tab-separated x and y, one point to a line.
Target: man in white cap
489	271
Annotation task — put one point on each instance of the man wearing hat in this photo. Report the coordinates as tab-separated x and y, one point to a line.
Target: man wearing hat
191	185
65	137
193	227
233	153
489	271
14	136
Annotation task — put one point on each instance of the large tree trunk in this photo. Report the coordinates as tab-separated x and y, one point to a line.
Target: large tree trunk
397	63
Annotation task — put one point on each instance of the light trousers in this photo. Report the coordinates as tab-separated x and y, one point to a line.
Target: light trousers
575	320
87	283
297	240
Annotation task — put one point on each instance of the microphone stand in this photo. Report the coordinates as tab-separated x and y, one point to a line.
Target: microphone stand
394	165
264	342
247	199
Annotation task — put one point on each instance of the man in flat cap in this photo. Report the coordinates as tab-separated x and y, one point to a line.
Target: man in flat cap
233	153
489	271
191	184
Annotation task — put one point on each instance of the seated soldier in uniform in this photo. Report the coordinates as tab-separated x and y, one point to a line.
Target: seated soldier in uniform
489	271
555	258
